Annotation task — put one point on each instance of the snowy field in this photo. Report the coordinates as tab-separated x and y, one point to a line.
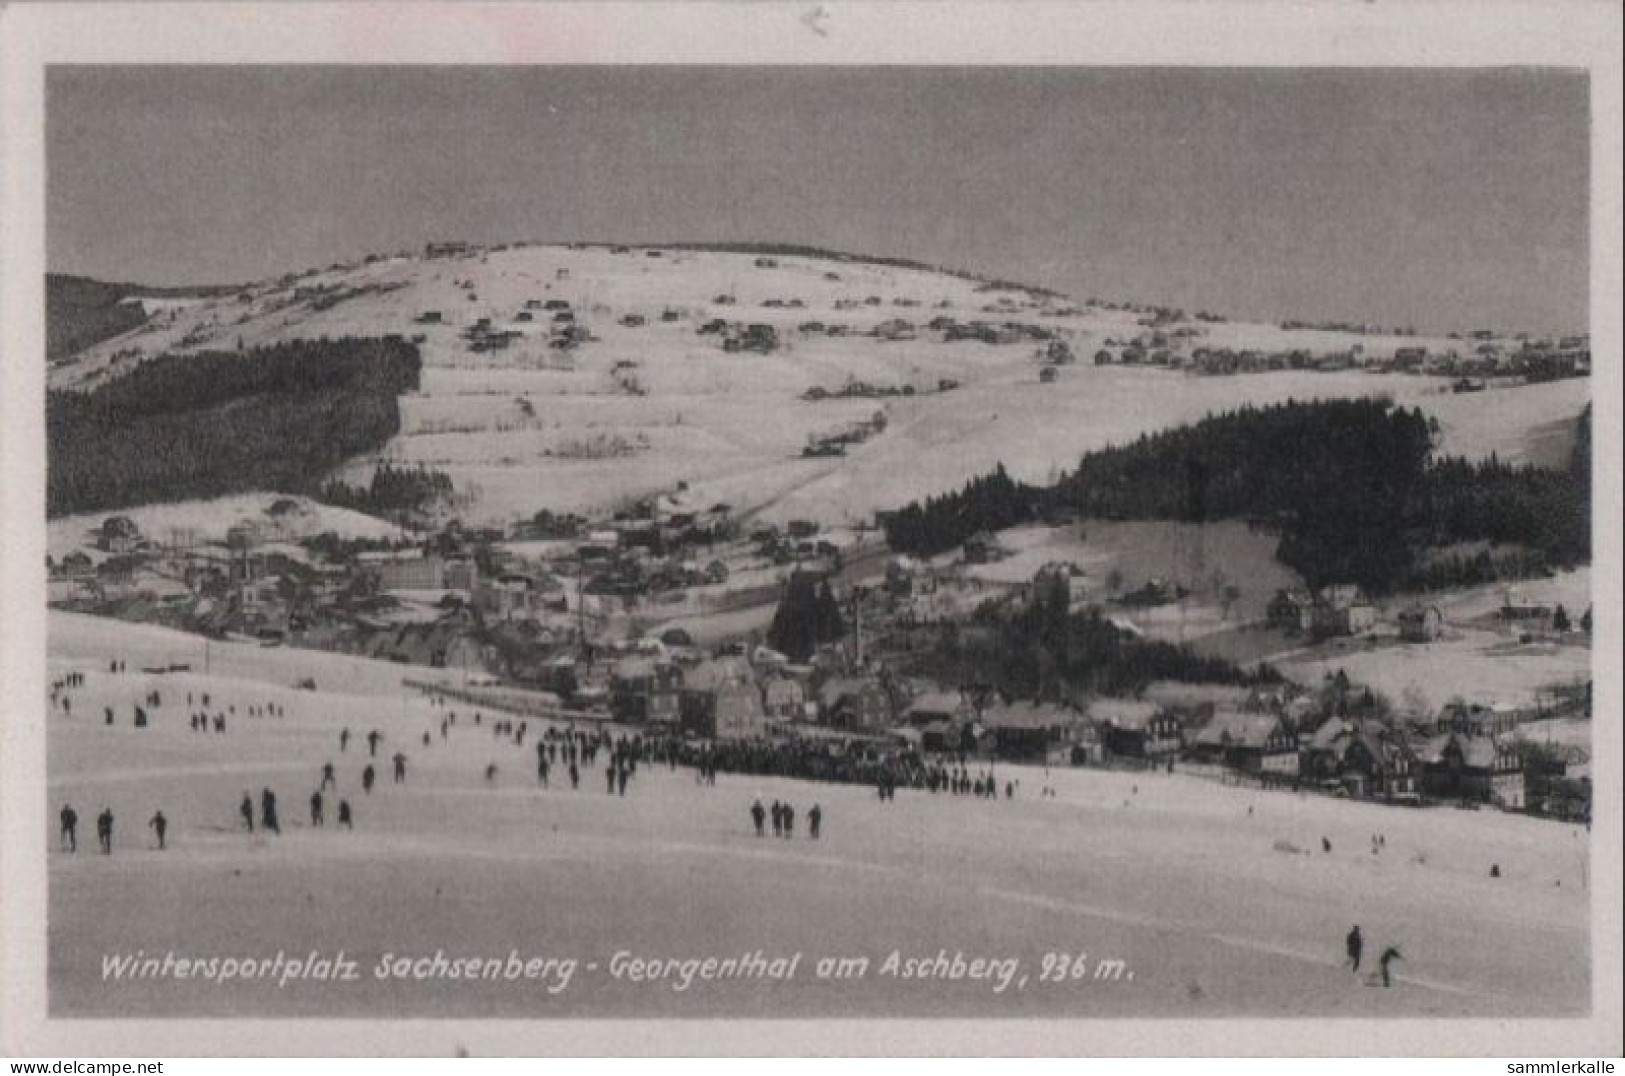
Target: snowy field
1203	558
1477	658
1194	885
188	522
1480	667
642	407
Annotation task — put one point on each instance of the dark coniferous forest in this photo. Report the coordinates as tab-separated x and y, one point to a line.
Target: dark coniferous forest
392	489
1351	485
1041	650
209	424
807	617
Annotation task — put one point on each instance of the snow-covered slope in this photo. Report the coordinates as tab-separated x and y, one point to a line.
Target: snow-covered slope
650	402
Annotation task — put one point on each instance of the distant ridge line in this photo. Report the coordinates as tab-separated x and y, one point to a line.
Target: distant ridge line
802	250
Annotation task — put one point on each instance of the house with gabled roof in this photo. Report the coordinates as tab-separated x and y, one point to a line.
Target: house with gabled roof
1320	754
784	698
1264	745
1420	623
1134	729
1475	719
1378	763
1367	759
895	329
646	690
1474	769
1026	729
854	702
935	704
118	534
737	712
720	699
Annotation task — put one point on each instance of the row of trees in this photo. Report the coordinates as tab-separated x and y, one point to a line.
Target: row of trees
807	617
1452	569
1039	650
80	312
392	489
1337	476
1351	484
214	423
990	503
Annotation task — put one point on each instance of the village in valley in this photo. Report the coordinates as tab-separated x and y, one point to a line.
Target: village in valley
576	620
672	612
860	537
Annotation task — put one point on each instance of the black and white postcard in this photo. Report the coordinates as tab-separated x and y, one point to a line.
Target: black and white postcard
830	527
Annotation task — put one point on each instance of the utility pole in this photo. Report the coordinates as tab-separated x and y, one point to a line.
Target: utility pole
581	613
857	629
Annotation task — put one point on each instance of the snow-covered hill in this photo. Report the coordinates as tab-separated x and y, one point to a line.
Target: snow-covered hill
648	402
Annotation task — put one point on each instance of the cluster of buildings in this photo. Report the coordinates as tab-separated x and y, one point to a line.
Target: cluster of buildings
1333	610
835	443
553	320
742	336
1464	755
527	608
1160	349
278	578
989	332
1531	360
1461	755
1342	610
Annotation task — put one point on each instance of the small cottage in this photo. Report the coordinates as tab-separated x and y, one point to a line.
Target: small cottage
1420	623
